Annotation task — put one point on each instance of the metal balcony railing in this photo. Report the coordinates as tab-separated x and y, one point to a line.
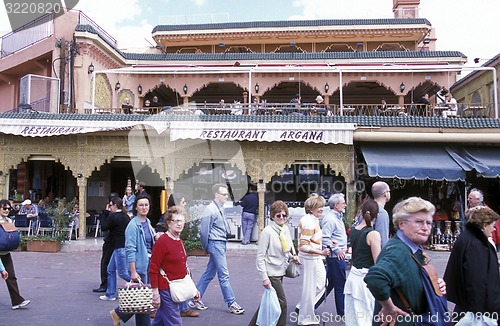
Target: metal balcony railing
27	35
85	20
465	110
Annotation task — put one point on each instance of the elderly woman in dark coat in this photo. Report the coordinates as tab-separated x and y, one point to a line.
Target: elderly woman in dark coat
472	275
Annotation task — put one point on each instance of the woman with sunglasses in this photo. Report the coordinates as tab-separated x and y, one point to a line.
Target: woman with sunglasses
273	254
7	265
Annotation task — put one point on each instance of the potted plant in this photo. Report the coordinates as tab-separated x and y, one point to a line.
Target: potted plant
59	212
190	237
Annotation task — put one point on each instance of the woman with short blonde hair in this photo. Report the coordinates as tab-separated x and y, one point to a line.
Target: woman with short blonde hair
310	254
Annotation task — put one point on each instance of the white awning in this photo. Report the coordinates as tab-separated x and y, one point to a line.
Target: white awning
331	133
46	128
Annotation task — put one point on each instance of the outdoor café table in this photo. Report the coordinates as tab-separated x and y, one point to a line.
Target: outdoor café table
437	111
474	111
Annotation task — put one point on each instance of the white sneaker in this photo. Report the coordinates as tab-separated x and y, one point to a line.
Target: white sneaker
21	305
197	305
105	298
235	308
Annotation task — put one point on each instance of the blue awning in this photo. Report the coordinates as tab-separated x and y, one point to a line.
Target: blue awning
485	160
411	161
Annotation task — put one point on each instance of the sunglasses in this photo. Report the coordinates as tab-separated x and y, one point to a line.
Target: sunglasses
281	215
6	208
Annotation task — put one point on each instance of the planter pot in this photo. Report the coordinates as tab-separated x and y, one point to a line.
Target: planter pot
197	252
43	245
21	248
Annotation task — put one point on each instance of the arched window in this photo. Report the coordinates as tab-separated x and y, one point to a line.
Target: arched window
476	98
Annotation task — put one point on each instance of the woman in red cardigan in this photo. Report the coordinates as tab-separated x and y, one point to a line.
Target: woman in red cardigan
168	254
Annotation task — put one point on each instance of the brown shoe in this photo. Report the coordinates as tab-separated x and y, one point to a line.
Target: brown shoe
116	319
189	313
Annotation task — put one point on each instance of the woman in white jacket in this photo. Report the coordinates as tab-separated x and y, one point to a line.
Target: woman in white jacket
275	244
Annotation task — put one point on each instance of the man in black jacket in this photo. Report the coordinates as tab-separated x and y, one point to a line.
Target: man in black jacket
116	224
107	249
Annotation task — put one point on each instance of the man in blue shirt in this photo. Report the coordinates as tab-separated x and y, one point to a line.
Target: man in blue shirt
382	194
335	238
214	233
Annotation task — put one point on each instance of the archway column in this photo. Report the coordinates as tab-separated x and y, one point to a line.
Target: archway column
82	201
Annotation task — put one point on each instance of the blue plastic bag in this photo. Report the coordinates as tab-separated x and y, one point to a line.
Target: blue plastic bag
270	310
476	320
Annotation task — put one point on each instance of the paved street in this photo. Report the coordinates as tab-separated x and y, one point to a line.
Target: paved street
60	288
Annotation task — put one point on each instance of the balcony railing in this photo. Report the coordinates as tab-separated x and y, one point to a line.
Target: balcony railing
27	35
484	110
85	20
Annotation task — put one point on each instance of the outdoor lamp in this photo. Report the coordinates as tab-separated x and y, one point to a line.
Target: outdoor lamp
327	87
185	89
117	86
402	87
257	88
139	89
91	68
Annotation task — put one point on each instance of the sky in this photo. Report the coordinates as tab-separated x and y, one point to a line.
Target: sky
470	27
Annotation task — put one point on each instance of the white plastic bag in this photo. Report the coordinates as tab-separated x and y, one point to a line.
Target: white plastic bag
476	320
270	310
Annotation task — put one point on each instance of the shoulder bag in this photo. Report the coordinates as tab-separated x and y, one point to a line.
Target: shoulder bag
293	269
437	306
182	289
9	236
135	298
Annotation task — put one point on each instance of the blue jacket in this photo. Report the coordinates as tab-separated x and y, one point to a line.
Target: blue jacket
212	225
135	245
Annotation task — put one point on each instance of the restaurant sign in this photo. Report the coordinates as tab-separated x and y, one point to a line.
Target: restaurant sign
306	132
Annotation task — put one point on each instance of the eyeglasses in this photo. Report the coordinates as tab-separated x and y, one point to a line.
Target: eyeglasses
177	221
143	205
421	223
223	194
6	208
281	216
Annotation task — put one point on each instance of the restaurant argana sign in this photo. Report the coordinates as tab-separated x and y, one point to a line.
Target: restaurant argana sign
332	133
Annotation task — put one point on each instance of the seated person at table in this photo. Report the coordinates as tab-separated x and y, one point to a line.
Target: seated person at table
421	105
30	210
382	109
126	107
452	106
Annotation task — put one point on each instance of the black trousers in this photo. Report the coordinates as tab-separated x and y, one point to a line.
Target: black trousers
107	251
15	297
277	284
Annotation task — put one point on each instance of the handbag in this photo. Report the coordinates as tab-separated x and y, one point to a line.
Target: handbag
9	236
437	306
135	298
182	289
270	309
293	269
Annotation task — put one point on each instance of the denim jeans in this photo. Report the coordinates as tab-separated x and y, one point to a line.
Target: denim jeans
140	319
247	221
336	276
117	263
217	264
183	306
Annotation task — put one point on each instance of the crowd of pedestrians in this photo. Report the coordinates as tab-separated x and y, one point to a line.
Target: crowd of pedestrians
383	284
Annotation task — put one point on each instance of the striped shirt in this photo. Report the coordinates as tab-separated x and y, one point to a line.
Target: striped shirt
310	235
